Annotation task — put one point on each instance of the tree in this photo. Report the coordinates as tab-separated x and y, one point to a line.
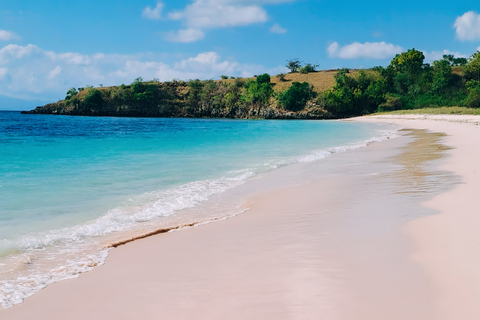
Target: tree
144	92
293	65
442	75
93	99
472	69
258	92
263	78
71	93
454	62
308	67
410	62
295	97
473	98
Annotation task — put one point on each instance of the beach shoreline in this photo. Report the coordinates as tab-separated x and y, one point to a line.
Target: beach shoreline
447	244
318	248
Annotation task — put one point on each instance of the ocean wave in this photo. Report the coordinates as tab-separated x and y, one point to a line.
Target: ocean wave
323	153
69	243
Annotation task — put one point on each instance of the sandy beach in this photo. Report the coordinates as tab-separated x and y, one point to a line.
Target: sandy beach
390	232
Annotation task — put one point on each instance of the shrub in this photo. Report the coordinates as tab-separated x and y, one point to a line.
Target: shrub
71	93
93	99
258	91
224	77
473	98
307	68
472	69
295	97
144	92
263	78
442	76
391	103
281	77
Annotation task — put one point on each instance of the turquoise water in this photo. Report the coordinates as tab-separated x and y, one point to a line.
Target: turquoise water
66	182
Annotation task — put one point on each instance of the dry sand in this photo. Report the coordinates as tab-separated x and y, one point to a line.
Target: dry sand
447	244
351	244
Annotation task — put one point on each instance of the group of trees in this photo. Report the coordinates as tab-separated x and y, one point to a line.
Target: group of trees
407	82
142	98
232	98
296	66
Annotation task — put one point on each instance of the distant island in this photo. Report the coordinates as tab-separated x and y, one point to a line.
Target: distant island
304	93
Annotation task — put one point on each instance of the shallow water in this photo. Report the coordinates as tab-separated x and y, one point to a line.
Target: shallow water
69	185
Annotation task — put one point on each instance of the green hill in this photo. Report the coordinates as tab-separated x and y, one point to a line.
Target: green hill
406	83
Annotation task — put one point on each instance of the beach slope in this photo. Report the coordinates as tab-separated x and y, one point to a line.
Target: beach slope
371	239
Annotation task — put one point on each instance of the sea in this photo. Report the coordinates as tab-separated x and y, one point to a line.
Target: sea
73	187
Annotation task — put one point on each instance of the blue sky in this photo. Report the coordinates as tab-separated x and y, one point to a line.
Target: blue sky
49	46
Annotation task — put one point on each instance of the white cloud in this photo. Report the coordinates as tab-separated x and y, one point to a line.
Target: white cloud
468	26
276	28
438	55
55	72
219	14
367	50
333	49
8	36
29	72
184	36
155	13
205	62
201	15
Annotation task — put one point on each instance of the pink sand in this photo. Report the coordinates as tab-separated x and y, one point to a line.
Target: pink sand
322	249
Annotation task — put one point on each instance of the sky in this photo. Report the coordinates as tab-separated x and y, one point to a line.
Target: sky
49	46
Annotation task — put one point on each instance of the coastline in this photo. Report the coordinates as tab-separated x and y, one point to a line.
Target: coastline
447	244
302	250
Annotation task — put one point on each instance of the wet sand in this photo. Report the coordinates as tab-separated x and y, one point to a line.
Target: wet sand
346	238
447	245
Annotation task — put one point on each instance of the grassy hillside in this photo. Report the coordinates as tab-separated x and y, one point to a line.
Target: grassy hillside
407	83
226	98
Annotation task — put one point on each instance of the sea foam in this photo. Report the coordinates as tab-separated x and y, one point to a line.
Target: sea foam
38	259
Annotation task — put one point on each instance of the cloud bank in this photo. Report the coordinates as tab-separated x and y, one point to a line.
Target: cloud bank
29	72
202	15
468	26
367	50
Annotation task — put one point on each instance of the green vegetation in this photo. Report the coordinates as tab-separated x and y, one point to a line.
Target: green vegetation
296	66
293	65
307	68
295	97
71	93
438	110
407	83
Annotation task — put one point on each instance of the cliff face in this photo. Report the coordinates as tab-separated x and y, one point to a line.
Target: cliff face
195	99
179	111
